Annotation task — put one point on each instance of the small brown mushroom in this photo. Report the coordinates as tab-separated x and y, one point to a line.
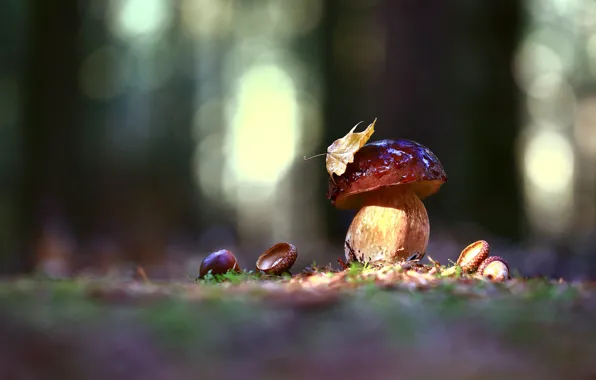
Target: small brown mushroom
387	182
495	268
219	262
277	259
474	254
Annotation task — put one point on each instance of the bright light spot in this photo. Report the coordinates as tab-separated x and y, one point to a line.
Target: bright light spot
565	7
547	67
206	18
548	162
548	188
263	133
534	60
591	46
545	86
561	41
586	17
140	18
541	10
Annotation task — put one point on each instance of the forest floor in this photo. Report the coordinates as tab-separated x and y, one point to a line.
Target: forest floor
356	323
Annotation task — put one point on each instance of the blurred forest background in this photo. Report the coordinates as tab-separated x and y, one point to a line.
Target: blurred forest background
152	132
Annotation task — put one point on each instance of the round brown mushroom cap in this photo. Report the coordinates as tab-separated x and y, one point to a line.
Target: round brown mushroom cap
385	163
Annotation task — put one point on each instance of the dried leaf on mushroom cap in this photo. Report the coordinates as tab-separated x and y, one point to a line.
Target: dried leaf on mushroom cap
341	152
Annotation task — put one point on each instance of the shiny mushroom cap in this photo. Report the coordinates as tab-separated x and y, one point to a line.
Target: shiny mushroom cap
386	163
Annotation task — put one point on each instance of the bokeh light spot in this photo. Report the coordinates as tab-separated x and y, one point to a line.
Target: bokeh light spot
264	123
533	60
206	18
549	161
140	18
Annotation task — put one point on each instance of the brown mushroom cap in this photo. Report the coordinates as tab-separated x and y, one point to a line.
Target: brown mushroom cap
385	163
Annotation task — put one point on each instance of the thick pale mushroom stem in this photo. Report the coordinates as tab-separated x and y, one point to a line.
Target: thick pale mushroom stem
391	226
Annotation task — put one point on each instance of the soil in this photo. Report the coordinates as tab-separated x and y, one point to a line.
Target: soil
357	323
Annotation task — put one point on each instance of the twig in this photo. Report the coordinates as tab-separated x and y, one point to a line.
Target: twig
142	275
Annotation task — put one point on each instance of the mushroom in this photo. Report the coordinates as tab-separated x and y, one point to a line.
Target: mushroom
474	254
219	262
494	268
277	259
387	182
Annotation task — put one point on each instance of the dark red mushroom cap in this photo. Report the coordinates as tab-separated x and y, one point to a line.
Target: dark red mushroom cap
384	163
